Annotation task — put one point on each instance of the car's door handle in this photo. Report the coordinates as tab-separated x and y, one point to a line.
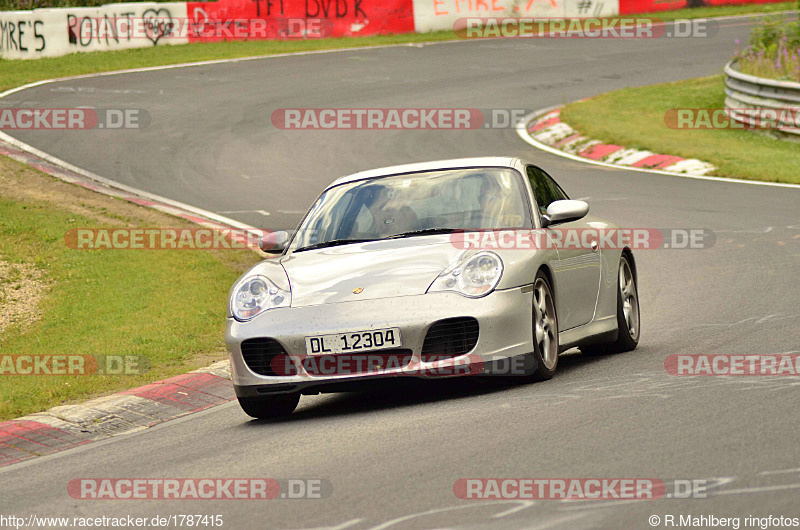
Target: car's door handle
594	245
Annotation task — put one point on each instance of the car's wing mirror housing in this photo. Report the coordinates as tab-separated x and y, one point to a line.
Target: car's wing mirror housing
274	242
564	211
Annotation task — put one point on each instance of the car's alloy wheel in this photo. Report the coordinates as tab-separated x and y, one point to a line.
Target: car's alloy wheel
629	299
628	316
274	406
545	329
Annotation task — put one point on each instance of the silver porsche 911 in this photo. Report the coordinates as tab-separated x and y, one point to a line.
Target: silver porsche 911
442	269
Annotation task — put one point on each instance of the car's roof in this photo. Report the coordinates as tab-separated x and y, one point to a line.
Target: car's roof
484	161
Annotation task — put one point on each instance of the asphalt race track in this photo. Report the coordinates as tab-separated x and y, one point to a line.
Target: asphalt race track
392	457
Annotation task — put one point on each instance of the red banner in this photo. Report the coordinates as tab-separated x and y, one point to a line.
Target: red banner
297	19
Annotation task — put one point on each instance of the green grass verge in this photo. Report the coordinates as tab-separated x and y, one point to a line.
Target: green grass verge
722	11
25	5
19	72
167	306
634	117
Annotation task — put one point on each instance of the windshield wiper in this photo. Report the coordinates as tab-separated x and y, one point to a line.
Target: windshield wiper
424	232
334	243
337	242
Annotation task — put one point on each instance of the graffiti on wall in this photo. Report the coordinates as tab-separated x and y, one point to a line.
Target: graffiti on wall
116	27
22	35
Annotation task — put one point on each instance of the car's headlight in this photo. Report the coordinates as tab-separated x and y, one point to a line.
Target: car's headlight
255	294
474	277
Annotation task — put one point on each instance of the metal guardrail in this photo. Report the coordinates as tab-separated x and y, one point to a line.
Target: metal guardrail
750	99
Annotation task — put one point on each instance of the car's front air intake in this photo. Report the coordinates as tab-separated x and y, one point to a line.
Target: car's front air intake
449	338
259	353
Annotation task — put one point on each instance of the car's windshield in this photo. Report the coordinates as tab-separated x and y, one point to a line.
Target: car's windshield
440	201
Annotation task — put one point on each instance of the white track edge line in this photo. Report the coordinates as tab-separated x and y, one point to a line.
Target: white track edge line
228	60
122	187
522	131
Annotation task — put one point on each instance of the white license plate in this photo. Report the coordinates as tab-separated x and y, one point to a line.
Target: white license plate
354	341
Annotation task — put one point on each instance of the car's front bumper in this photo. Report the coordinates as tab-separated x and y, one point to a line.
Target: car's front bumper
504	320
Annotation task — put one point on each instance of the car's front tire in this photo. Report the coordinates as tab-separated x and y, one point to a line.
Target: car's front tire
628	316
545	330
266	407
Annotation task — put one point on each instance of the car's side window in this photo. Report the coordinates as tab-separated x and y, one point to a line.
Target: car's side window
545	189
559	193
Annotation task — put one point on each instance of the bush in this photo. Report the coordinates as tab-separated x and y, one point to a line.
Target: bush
773	51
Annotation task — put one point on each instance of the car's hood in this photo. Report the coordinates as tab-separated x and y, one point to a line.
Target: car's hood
363	271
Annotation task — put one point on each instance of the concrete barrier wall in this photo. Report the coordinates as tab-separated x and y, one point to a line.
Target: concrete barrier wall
29	34
52	32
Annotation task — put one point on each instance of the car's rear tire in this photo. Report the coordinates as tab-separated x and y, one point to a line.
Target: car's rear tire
628	316
274	406
545	330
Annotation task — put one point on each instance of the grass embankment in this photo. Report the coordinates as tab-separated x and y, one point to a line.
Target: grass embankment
167	307
722	11
634	117
19	72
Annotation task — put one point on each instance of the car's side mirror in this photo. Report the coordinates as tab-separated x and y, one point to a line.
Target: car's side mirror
274	242
564	211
